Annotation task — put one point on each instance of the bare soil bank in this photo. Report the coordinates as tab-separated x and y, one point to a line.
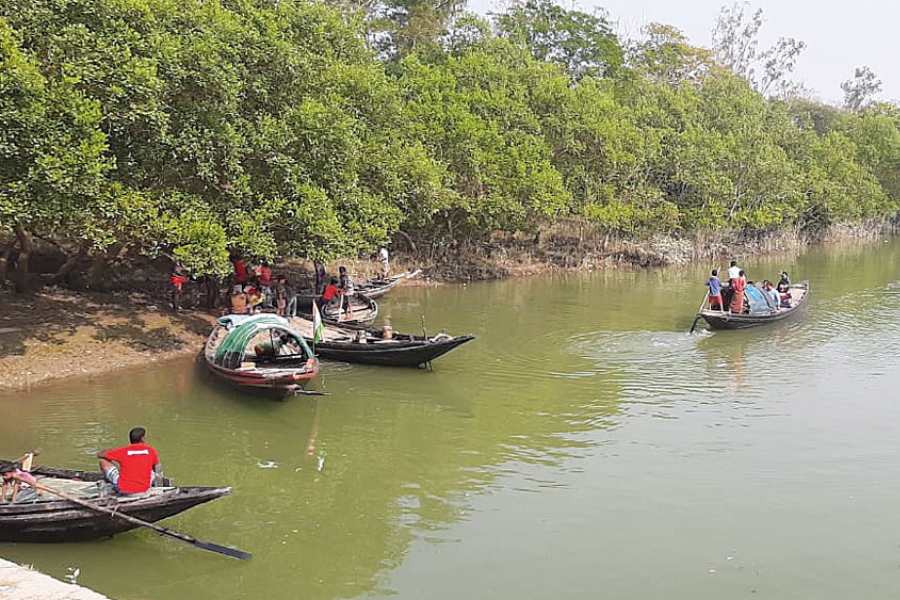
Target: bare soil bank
573	245
56	334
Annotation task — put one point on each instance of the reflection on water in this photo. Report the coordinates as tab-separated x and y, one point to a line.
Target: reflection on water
584	445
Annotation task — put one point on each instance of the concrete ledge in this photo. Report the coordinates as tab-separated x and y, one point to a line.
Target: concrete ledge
22	583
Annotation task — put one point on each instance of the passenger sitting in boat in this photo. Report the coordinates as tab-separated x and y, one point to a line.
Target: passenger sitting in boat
715	291
332	293
739	285
772	293
784	289
283	345
131	468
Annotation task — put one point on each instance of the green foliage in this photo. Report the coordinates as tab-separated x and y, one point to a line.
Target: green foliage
190	129
582	43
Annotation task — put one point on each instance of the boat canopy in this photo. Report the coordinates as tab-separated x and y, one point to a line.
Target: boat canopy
241	331
757	301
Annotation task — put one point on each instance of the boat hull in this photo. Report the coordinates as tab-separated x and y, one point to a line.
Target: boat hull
726	320
60	520
402	354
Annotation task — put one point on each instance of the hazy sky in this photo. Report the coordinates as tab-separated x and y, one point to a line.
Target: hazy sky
839	35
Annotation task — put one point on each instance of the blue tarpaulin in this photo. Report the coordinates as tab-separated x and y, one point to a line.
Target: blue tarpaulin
757	301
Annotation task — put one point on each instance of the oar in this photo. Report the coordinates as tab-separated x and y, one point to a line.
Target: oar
698	317
233	552
310	393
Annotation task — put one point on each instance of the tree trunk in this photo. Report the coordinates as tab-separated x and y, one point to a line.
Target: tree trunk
412	245
66	268
212	292
4	260
96	271
20	277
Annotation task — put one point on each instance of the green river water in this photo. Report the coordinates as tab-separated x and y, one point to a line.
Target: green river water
584	446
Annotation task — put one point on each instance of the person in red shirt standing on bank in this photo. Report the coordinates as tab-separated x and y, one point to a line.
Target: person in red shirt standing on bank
130	468
240	273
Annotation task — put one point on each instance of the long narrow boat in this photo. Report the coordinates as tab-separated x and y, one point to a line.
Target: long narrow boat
760	312
46	518
368	346
378	287
260	353
362	312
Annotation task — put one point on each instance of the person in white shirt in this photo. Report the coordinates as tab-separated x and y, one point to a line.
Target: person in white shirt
385	262
734	271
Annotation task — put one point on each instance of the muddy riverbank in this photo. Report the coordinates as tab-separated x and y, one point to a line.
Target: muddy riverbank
57	334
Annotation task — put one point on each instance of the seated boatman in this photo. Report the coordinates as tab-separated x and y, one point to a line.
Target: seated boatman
130	468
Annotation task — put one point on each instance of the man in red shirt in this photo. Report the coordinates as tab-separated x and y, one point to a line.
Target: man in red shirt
331	293
130	468
240	272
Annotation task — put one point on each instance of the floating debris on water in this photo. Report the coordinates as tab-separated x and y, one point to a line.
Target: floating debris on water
72	574
267	464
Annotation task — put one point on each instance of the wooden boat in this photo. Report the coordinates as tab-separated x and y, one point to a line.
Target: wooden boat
368	346
260	353
362	312
378	287
46	518
759	313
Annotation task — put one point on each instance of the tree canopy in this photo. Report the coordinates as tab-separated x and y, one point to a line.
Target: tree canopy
197	128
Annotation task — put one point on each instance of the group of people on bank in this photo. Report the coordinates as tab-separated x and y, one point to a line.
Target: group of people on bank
254	290
254	287
732	294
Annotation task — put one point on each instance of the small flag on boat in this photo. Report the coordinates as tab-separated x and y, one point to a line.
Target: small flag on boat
318	327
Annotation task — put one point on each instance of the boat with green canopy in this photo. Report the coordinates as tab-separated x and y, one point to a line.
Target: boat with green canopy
260	353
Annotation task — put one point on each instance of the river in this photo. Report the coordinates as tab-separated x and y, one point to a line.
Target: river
583	446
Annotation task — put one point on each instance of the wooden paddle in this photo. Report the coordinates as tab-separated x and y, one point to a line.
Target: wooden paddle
233	552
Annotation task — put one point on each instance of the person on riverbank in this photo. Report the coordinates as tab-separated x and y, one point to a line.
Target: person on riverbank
240	275
739	285
130	469
264	278
385	260
254	299
177	280
319	269
281	297
715	291
238	302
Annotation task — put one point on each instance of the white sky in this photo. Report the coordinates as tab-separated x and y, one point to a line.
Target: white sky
839	36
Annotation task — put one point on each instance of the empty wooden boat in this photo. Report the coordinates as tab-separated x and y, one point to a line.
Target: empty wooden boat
379	286
355	311
368	346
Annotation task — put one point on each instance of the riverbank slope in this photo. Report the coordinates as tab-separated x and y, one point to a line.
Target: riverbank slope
57	333
21	583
